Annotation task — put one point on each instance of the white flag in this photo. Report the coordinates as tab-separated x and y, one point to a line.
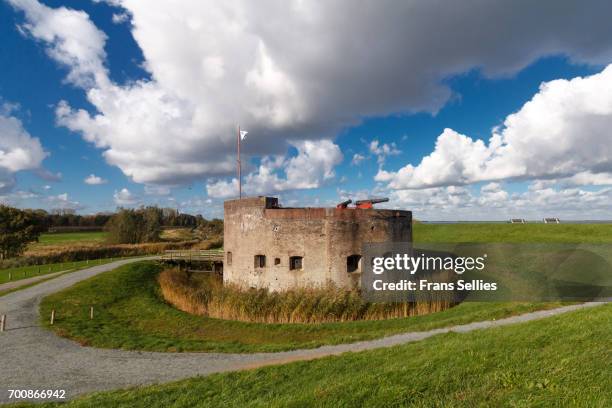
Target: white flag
243	134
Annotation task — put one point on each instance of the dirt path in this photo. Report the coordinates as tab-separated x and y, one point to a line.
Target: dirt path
35	358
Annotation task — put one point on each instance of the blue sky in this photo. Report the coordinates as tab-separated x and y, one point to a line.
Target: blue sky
160	104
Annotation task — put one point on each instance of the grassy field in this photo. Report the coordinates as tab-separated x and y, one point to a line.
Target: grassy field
69	238
513	233
131	315
559	361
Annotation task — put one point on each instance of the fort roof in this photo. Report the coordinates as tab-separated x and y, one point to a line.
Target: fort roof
272	209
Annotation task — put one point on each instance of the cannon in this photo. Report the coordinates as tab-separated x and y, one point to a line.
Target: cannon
369	203
344	204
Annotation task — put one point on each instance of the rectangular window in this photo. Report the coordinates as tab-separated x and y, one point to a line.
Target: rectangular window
229	258
353	263
260	261
295	262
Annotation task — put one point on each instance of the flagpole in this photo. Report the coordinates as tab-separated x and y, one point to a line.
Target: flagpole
239	166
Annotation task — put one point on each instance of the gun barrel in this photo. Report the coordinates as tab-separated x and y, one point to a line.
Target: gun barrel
344	204
372	200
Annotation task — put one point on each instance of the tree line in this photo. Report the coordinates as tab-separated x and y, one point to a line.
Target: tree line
126	226
44	220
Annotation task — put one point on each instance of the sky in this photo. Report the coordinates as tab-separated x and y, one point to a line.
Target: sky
472	110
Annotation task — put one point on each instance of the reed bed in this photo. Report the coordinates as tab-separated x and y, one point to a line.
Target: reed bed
207	296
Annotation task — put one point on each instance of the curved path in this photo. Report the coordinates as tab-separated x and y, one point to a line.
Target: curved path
34	358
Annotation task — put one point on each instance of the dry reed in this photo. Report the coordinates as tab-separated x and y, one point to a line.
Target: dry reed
207	296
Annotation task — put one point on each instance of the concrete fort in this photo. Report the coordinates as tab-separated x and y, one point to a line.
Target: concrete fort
268	246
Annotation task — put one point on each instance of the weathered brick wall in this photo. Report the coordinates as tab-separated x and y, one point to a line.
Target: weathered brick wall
324	237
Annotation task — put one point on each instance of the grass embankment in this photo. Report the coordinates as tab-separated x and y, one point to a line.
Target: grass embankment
513	233
130	314
559	361
206	295
32	271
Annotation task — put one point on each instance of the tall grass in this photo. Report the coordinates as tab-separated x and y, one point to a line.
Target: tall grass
207	296
63	253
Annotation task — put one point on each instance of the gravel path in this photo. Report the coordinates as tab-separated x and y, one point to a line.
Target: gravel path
35	358
27	281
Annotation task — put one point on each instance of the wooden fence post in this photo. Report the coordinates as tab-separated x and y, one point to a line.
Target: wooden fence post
2	322
91	313
52	316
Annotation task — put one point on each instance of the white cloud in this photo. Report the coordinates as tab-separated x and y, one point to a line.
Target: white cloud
310	168
17	198
120	18
71	39
48	175
314	163
382	151
157	190
18	149
215	64
63	202
494	203
563	132
222	189
357	159
94	180
124	197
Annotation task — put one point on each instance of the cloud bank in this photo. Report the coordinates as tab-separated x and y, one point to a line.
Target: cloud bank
295	72
563	132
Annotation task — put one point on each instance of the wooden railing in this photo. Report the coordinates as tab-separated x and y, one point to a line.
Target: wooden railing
194	255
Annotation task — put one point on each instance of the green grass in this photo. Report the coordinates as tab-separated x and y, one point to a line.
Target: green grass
25	272
559	361
513	233
131	315
71	237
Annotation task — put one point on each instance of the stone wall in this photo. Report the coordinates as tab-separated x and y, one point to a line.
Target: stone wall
322	237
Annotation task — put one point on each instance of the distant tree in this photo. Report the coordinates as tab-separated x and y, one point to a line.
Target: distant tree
129	226
17	230
152	222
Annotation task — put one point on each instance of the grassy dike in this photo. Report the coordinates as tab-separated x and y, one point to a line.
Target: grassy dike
559	361
130	314
513	233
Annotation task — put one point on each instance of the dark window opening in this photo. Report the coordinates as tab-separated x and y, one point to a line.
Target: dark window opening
229	258
295	262
260	261
276	261
352	263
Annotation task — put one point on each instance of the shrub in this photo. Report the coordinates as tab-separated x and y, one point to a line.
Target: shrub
208	296
17	229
